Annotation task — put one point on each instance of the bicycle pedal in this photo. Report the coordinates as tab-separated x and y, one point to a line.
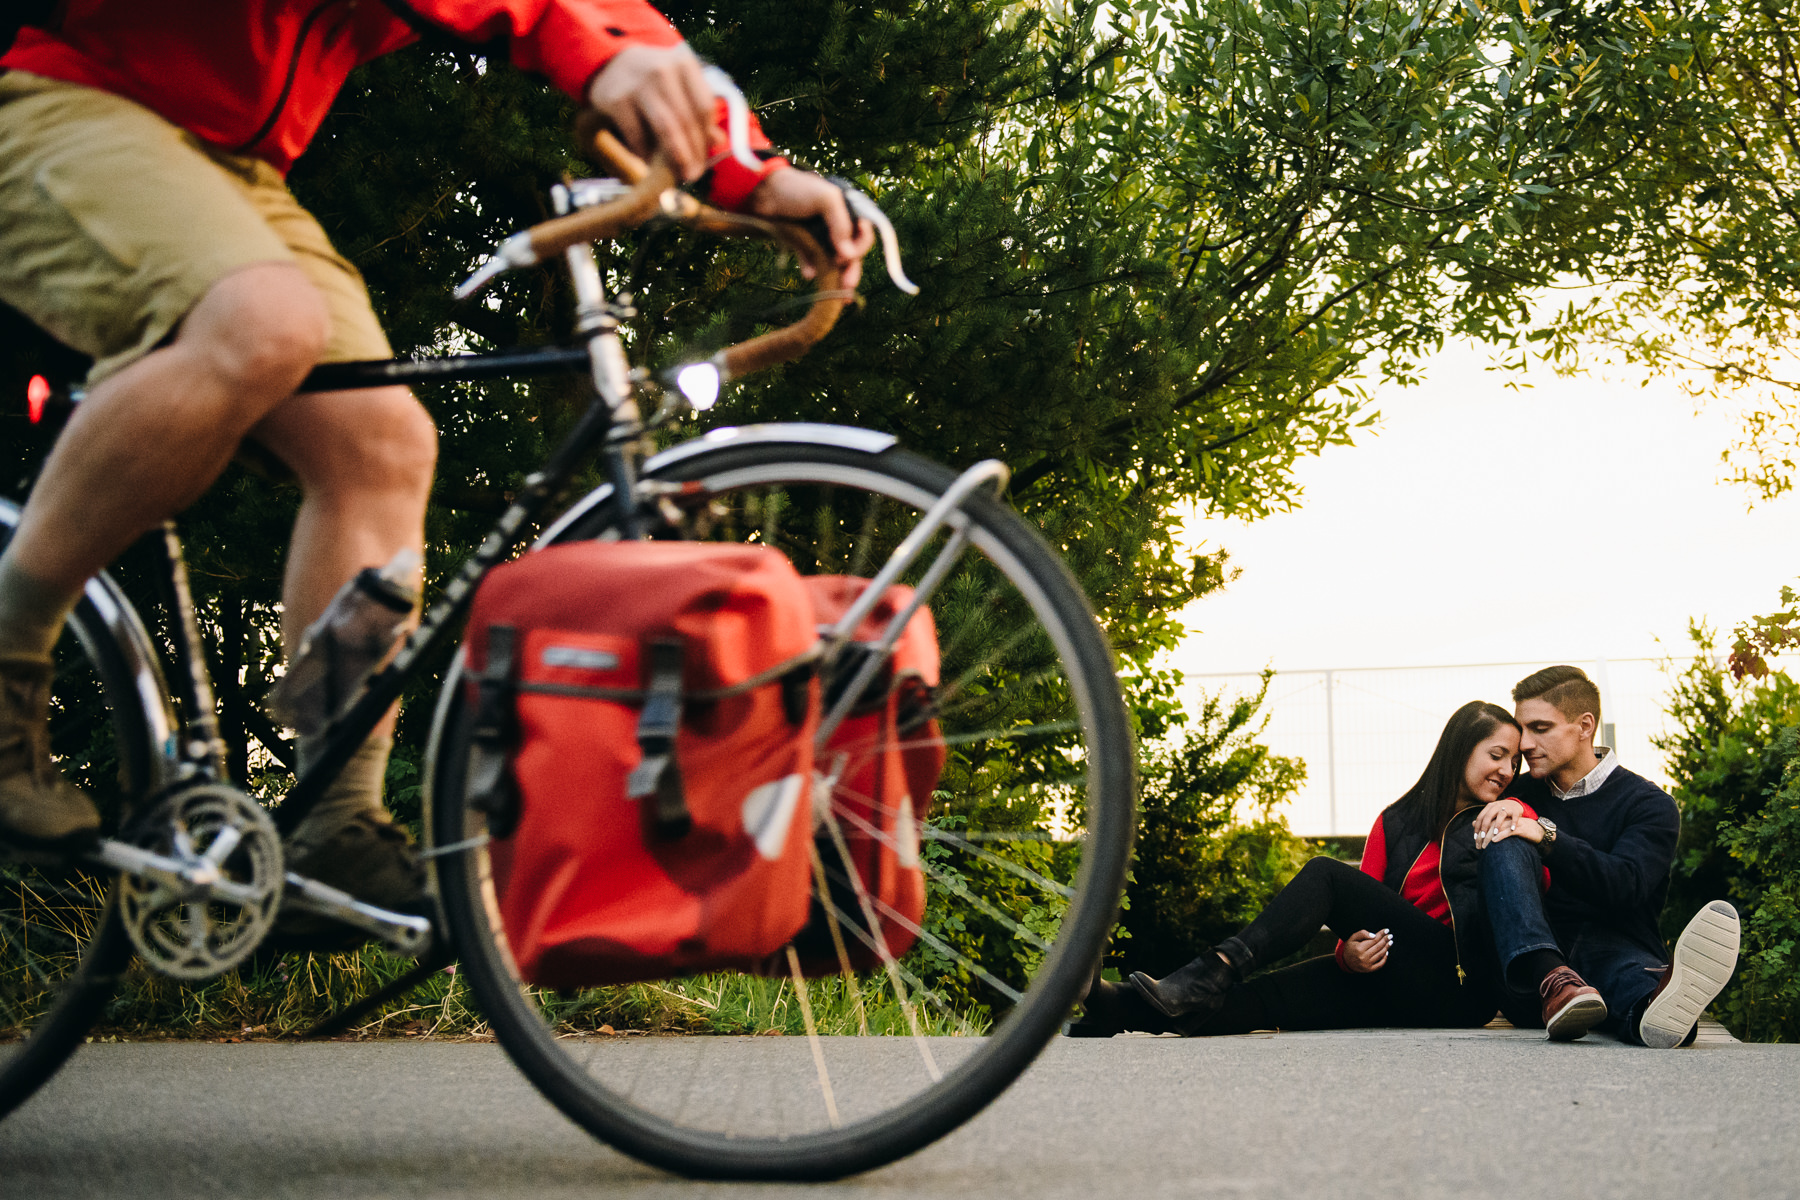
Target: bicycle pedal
403	933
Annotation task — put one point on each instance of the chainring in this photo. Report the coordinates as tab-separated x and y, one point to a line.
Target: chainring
195	933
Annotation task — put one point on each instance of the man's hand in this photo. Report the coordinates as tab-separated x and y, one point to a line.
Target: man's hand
1497	818
656	98
1365	951
797	195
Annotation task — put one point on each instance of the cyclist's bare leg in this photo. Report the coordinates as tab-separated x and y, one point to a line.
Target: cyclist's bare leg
364	460
144	445
148	441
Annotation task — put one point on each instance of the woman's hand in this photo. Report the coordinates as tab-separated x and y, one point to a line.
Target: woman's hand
1365	951
1497	820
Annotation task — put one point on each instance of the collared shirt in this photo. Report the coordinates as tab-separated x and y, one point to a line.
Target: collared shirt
1589	783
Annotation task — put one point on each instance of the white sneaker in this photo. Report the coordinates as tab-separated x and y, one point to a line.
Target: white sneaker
1705	956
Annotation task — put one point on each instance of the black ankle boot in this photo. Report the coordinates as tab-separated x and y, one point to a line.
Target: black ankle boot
1200	986
1101	1014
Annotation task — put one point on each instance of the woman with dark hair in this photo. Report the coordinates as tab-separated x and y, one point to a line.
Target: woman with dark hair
1415	950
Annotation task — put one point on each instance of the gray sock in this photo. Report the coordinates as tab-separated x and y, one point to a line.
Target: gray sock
357	788
31	613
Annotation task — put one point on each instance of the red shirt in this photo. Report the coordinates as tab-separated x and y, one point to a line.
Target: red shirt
257	76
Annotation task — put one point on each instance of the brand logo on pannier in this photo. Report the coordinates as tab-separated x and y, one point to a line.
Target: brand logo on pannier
581	657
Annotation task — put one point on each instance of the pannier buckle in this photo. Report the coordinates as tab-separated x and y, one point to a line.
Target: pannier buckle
490	787
657	774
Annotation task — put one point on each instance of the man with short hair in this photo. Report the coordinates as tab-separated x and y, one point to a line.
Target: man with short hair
1590	944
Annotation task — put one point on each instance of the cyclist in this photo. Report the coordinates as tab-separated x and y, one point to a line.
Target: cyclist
146	223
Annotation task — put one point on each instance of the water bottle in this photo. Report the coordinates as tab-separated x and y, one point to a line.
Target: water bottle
339	651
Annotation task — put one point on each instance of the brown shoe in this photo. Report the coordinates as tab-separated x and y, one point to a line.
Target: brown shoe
1571	1007
371	858
39	809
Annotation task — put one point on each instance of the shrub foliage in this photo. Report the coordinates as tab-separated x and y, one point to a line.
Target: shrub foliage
1735	759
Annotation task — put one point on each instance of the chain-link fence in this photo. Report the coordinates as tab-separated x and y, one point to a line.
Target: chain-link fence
1365	732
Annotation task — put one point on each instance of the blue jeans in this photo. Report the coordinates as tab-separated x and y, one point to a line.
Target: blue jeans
1624	972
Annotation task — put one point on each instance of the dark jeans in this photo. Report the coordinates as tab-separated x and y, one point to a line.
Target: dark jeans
1417	987
1624	972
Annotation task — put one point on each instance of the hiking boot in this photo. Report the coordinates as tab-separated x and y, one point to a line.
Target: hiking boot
39	809
371	858
1571	1007
1705	956
1198	988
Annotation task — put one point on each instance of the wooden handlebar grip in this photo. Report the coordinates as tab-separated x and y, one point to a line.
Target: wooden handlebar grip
592	225
595	140
789	343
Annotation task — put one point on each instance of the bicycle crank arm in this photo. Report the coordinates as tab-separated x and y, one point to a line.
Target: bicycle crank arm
185	880
401	932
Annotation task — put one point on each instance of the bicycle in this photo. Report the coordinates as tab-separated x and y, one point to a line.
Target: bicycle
1029	835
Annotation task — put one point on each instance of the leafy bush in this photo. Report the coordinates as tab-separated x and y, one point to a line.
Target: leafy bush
1735	761
1211	851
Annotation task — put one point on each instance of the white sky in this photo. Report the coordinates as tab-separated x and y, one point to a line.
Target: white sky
1572	519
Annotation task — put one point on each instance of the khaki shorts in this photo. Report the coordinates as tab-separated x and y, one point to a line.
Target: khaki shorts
114	223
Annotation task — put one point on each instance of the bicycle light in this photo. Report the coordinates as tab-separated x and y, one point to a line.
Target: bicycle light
37	394
699	382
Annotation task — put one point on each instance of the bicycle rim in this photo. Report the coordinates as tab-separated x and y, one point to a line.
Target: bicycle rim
1026	841
62	948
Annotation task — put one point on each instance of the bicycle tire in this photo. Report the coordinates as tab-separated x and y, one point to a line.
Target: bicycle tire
62	948
1009	551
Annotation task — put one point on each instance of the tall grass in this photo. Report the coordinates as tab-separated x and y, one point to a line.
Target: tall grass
288	995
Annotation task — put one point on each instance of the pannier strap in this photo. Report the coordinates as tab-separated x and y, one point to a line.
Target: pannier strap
798	668
490	784
658	774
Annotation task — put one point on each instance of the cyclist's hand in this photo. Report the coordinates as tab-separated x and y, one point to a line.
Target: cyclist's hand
656	98
797	195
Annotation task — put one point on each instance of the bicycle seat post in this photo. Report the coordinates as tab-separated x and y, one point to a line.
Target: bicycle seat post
598	323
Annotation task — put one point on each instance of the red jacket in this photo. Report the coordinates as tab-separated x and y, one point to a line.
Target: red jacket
257	76
1423	887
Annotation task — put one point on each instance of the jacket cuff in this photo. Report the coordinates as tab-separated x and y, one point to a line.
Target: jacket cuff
730	182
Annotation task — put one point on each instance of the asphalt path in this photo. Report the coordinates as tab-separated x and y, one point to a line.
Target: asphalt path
1341	1115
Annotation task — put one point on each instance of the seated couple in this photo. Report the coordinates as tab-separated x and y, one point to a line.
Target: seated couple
1478	891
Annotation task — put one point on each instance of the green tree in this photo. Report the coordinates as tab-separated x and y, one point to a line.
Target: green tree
1705	291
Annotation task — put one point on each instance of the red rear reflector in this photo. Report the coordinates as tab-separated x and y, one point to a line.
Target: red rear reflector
37	392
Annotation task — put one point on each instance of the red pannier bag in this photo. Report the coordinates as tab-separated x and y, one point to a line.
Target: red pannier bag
883	762
642	720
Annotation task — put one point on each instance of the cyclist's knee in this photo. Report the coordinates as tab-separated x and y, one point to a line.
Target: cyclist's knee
402	444
381	439
260	328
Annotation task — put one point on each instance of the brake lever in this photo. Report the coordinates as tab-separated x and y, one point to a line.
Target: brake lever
864	209
737	115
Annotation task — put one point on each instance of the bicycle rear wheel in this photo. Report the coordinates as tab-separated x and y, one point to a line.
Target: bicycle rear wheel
62	949
1026	845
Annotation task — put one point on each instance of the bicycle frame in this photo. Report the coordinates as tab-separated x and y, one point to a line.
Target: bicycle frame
611	426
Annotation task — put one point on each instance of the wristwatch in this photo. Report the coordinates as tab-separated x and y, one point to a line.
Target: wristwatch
1549	838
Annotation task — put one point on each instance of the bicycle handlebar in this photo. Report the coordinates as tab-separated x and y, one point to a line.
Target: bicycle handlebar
653	192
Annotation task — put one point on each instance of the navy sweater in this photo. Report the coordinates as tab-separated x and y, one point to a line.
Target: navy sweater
1610	862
